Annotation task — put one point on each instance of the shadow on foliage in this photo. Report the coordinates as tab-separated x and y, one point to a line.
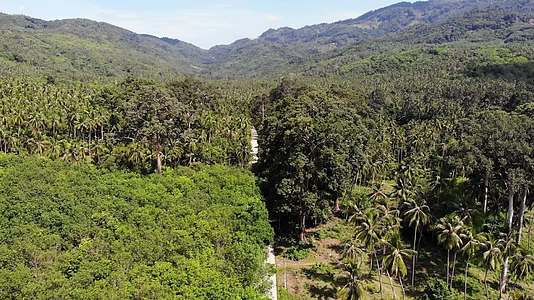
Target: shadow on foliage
292	249
510	72
338	248
321	272
322	292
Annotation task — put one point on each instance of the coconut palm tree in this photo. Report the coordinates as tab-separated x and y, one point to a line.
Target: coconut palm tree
509	247
470	247
529	220
369	229
522	266
353	290
370	232
460	223
402	190
522	212
394	261
378	195
491	257
389	218
448	231
353	252
416	215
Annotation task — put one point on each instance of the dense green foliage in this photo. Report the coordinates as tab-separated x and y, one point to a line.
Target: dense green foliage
311	147
459	150
78	232
415	122
84	50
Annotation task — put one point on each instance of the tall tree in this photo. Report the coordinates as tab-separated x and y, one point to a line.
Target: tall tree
353	290
151	116
370	231
394	260
306	159
492	257
448	233
416	215
470	247
522	212
509	246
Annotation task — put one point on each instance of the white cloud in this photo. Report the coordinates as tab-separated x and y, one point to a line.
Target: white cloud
219	23
204	28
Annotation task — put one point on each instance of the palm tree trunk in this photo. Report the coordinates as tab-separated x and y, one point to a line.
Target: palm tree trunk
453	267
392	287
402	287
371	265
486	190
486	283
510	216
302	235
465	278
415	253
522	215
448	267
379	275
529	236
504	276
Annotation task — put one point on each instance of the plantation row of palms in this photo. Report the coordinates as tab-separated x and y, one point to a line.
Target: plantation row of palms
451	147
184	122
378	241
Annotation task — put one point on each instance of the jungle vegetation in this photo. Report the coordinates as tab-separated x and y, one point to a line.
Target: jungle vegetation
123	177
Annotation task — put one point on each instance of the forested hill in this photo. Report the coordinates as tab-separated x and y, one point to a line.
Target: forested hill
407	24
87	49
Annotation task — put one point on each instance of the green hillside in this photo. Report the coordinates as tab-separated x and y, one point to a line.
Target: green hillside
85	50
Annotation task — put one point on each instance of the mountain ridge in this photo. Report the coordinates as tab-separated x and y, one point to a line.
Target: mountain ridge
107	50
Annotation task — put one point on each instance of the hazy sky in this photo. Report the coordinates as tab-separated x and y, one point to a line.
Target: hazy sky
202	22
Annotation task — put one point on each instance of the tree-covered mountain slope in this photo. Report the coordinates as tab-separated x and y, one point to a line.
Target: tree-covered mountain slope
428	22
86	49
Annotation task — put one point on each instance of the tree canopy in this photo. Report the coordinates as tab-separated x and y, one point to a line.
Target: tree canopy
80	232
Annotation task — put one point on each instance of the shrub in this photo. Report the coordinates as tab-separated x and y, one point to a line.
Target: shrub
324	271
284	294
436	289
298	252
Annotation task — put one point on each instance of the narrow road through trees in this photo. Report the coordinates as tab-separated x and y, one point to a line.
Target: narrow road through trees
271	259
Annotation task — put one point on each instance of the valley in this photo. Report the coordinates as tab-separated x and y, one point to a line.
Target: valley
387	156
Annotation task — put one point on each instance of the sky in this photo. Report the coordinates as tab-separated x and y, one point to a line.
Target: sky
204	23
